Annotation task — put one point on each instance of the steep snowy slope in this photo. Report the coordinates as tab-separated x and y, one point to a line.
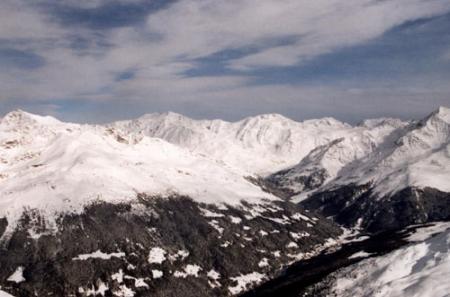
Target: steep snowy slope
261	144
419	270
419	157
324	163
53	166
388	154
405	180
313	153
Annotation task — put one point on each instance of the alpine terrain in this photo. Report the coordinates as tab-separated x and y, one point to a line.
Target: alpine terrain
164	205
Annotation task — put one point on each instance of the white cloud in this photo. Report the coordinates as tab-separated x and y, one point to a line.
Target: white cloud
160	51
196	28
19	21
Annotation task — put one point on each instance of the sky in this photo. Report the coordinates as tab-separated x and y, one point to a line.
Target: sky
98	61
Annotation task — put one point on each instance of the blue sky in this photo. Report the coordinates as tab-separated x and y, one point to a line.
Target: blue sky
103	60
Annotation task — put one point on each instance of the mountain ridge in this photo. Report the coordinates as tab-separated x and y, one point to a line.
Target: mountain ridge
199	207
315	156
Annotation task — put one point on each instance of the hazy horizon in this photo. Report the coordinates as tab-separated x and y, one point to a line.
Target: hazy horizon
227	120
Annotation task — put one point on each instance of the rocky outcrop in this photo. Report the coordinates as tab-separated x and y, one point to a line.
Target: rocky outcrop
294	184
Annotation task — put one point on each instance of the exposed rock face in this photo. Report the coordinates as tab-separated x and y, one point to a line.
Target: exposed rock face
293	184
3	225
157	247
357	205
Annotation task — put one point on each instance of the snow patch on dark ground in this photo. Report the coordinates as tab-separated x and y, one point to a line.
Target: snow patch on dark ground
159	247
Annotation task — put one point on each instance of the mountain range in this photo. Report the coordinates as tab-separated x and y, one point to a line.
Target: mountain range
164	205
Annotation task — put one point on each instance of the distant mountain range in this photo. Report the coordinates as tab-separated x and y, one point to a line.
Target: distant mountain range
165	205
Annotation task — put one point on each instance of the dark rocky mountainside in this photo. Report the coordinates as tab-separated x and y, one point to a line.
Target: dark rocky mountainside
157	247
356	205
313	277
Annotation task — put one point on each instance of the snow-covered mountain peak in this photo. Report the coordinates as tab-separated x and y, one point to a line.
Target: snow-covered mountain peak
166	116
389	154
175	152
443	113
373	123
327	122
22	133
415	154
265	119
439	120
56	167
258	144
337	158
20	118
430	133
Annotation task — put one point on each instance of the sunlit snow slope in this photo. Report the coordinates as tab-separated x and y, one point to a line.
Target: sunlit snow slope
54	166
261	144
390	153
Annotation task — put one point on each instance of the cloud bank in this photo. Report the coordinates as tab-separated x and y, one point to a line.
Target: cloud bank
101	60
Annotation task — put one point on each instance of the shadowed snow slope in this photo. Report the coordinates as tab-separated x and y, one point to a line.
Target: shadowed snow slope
418	270
388	154
419	157
325	162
